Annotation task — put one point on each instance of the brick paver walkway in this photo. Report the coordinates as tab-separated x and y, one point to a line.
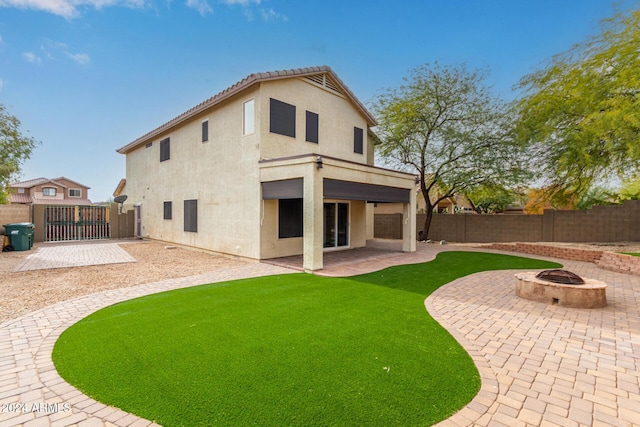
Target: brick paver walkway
540	365
74	255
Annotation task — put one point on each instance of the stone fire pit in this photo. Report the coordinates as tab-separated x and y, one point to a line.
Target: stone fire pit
590	294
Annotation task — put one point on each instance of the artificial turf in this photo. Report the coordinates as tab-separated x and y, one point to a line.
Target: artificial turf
293	349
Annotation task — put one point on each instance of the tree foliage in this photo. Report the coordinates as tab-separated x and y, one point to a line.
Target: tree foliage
582	111
15	148
445	124
490	199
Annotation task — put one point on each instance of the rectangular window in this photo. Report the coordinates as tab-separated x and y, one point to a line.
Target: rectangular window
290	219
357	140
191	215
165	149
205	131
282	118
20	190
75	192
312	127
248	117
48	191
167	210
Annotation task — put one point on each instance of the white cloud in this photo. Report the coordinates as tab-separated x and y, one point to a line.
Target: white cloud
69	8
202	6
31	57
80	58
271	15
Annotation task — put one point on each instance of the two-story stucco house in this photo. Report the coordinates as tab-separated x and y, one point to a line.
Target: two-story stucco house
279	164
44	191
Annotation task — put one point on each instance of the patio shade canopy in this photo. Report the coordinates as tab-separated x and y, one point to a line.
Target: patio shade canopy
335	189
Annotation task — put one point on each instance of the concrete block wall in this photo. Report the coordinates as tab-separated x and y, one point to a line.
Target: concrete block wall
619	223
11	214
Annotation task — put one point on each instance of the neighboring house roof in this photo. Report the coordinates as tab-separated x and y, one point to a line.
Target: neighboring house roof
30	183
120	187
314	73
70	180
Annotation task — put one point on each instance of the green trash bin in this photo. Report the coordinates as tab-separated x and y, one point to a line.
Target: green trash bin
20	235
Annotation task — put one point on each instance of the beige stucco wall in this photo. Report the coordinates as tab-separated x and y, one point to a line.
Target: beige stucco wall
337	117
221	174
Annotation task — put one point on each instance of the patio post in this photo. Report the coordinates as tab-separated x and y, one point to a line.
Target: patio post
312	258
409	224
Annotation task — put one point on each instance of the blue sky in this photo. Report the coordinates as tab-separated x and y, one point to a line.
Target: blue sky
86	77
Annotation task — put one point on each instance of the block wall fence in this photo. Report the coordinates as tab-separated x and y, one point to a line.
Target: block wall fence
618	223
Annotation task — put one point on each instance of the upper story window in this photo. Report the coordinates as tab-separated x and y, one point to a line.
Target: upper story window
20	190
248	117
358	142
165	149
49	191
205	130
282	118
312	127
75	192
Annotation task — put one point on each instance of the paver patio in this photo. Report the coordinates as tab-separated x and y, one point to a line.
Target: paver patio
540	364
75	255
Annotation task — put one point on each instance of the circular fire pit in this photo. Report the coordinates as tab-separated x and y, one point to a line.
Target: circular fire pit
573	291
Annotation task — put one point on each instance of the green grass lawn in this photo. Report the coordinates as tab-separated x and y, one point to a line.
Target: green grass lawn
631	253
283	350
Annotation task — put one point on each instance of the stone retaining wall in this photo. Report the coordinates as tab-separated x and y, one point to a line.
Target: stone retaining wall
620	262
611	261
574	254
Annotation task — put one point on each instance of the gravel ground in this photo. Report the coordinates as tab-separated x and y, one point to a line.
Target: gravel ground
23	292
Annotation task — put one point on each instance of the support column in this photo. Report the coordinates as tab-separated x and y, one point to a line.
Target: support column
409	224
312	258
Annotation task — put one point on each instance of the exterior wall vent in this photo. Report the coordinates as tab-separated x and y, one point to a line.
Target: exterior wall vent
325	81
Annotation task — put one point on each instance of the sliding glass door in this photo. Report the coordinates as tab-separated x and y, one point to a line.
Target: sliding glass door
336	225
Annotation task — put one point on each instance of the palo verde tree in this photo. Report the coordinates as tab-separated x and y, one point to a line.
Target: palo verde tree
582	111
445	124
15	148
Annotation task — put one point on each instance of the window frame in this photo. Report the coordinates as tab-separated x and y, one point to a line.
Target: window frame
205	130
165	149
44	192
291	225
310	135
167	210
249	113
282	118
358	140
191	215
79	190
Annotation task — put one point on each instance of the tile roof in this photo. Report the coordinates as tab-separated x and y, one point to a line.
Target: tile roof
19	198
243	84
29	183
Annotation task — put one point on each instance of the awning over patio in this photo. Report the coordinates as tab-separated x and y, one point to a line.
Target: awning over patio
336	189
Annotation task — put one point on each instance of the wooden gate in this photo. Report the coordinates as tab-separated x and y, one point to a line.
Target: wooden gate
76	223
